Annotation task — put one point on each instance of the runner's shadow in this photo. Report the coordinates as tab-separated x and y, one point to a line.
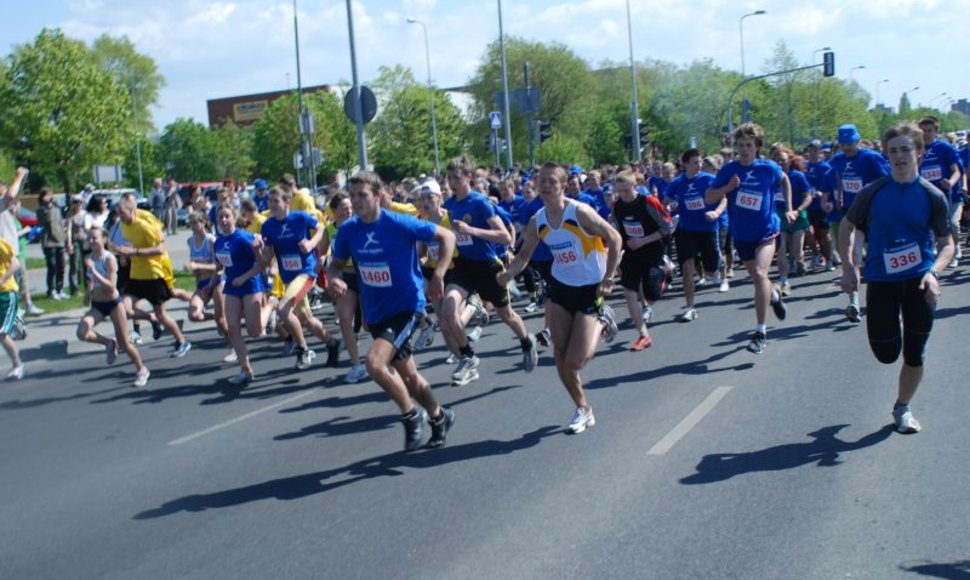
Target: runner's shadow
950	312
31	403
341	426
390	465
824	449
959	570
688	368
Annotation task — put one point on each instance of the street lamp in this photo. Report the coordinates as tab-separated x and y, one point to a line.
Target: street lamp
505	92
434	124
744	99
933	100
818	83
855	68
912	90
634	106
877	91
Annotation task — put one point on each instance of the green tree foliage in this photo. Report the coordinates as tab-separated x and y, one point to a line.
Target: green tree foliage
71	114
188	151
566	87
151	168
402	141
233	151
136	72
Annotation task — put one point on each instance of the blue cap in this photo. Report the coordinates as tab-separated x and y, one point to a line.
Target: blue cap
260	184
848	134
575	170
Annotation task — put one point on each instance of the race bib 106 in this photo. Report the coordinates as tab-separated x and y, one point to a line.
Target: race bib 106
291	262
376	276
902	259
749	200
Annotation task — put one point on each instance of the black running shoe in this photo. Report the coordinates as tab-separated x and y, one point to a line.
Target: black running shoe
333	351
413	430
440	427
778	305
757	344
157	330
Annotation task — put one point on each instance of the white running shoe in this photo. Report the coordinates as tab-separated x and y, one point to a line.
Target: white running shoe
141	377
725	285
688	315
135	339
475	334
466	371
357	374
532	307
230	358
647	314
582	418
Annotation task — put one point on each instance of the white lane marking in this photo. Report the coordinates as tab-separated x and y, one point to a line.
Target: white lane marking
249	415
689	422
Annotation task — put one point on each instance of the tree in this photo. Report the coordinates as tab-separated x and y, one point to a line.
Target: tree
335	135
69	114
402	140
233	148
188	151
150	165
136	72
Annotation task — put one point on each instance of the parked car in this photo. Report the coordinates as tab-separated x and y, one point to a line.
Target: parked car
114	195
27	217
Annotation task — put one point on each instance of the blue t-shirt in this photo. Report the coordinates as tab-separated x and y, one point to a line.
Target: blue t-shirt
475	210
901	225
542	252
514	208
599	201
937	165
236	254
387	262
501	250
262	202
857	172
799	188
753	216
657	183
691	207
285	236
816	180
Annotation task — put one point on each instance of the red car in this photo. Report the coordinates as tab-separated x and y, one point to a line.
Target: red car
27	217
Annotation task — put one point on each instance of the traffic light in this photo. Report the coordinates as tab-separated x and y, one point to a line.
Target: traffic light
544	130
828	63
643	131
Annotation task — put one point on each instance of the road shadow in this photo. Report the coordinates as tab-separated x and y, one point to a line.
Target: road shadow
40	402
959	570
390	465
824	450
700	367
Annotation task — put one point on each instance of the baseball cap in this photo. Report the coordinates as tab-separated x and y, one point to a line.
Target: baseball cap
576	170
848	134
814	144
89	187
77	197
260	184
427	187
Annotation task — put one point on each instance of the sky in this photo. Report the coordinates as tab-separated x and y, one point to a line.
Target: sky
218	48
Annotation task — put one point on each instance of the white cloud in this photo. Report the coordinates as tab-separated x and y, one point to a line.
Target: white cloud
214	14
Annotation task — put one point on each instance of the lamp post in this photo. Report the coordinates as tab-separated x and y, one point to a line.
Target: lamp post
141	175
744	98
933	100
818	84
877	89
634	105
912	90
505	92
358	110
434	123
306	127
853	69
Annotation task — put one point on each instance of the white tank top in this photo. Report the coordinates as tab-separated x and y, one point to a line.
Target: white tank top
203	253
578	258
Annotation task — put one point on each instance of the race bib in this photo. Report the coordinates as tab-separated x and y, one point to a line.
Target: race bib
463	239
291	262
633	229
902	259
749	200
851	184
694	203
224	258
434	252
931	173
565	256
376	276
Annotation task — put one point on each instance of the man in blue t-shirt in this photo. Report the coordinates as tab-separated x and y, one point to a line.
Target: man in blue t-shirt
816	172
908	244
477	229
696	233
392	298
261	196
749	183
941	166
292	237
852	169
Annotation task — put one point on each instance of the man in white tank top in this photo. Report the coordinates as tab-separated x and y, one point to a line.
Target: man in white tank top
585	251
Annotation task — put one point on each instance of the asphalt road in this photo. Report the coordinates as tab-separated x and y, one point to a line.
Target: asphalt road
706	461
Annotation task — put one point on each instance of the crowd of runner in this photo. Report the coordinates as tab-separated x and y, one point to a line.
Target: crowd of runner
408	261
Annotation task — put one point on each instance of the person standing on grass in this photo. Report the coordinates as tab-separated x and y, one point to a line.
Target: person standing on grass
9	264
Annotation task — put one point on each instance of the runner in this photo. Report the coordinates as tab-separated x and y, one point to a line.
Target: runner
237	253
150	268
817	170
792	239
749	184
202	264
697	229
581	278
941	166
477	227
9	264
107	303
643	223
287	236
902	215
852	169
383	245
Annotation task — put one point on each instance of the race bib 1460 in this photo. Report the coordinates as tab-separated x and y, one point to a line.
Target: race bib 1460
377	276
